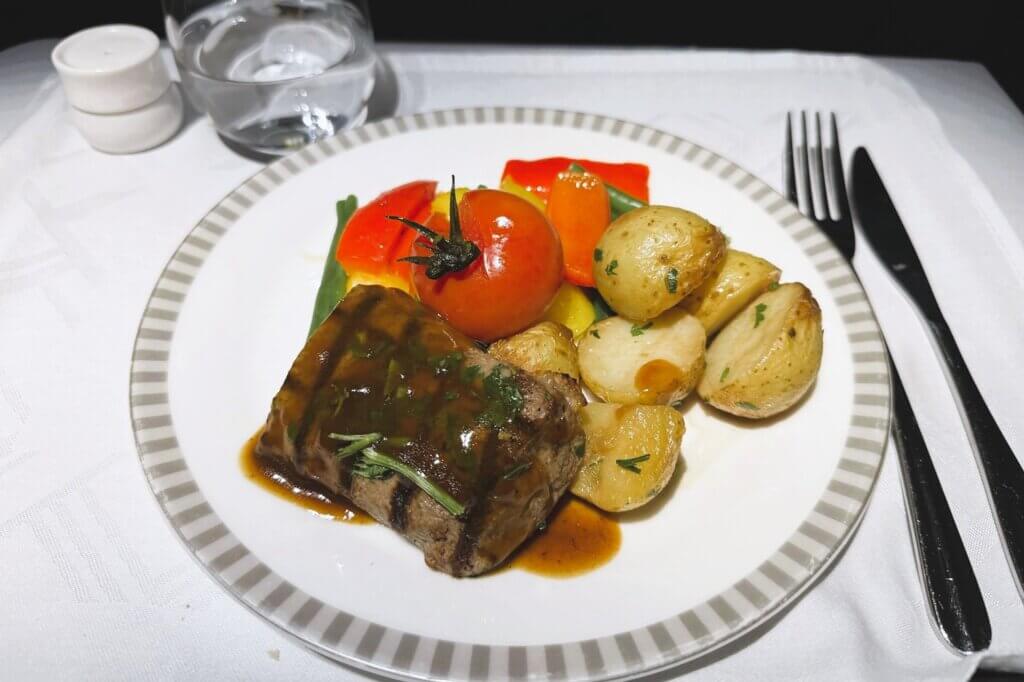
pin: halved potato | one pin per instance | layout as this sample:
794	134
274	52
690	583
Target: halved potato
767	357
630	456
737	279
544	347
649	259
655	362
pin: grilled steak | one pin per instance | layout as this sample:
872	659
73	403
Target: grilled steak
499	444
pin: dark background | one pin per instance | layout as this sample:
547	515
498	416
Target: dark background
979	31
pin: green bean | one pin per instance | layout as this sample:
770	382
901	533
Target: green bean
332	282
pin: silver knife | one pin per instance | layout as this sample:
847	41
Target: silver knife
1000	469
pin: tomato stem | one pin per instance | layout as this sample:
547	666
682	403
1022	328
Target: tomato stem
448	254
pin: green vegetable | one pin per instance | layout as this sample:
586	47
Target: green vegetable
725	373
672	280
373	462
759	313
516	471
638	329
596	334
773	286
631	463
619	201
333	280
356	442
601	308
598	255
610	270
504	401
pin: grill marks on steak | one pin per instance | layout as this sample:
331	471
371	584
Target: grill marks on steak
507	473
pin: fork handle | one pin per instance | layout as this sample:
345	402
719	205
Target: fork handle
958	609
1000	469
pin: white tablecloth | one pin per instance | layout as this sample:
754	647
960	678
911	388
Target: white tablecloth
95	586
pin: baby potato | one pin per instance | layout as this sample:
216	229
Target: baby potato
649	259
631	454
655	362
737	279
767	357
544	347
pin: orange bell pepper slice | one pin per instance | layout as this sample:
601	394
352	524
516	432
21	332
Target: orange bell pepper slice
579	210
372	244
539	175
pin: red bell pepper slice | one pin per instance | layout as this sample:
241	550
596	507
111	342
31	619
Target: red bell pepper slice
537	176
372	244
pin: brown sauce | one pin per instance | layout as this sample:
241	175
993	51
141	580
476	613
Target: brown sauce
658	377
578	538
280	480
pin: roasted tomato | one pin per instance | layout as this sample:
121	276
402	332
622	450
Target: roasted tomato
509	285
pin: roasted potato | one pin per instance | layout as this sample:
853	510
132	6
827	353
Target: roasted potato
655	362
767	357
630	455
649	259
736	280
544	347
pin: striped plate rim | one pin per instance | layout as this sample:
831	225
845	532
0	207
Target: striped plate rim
346	637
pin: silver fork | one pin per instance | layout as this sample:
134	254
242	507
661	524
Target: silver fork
814	171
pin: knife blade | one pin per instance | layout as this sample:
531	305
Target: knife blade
1000	469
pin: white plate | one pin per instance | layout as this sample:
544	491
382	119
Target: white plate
760	511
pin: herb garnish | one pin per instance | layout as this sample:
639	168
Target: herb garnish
373	461
504	401
759	313
356	442
773	286
725	373
631	463
516	471
638	329
446	363
470	373
744	404
595	333
672	280
598	255
448	254
374	464
610	270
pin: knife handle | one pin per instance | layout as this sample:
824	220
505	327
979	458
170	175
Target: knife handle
950	585
1000	468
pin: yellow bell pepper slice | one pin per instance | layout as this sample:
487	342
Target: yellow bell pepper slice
571	307
383	279
512	187
442	201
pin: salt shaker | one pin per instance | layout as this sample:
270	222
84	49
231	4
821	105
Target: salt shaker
122	98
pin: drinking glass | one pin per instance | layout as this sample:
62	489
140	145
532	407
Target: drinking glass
274	75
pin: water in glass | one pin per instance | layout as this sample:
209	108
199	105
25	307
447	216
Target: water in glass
275	75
